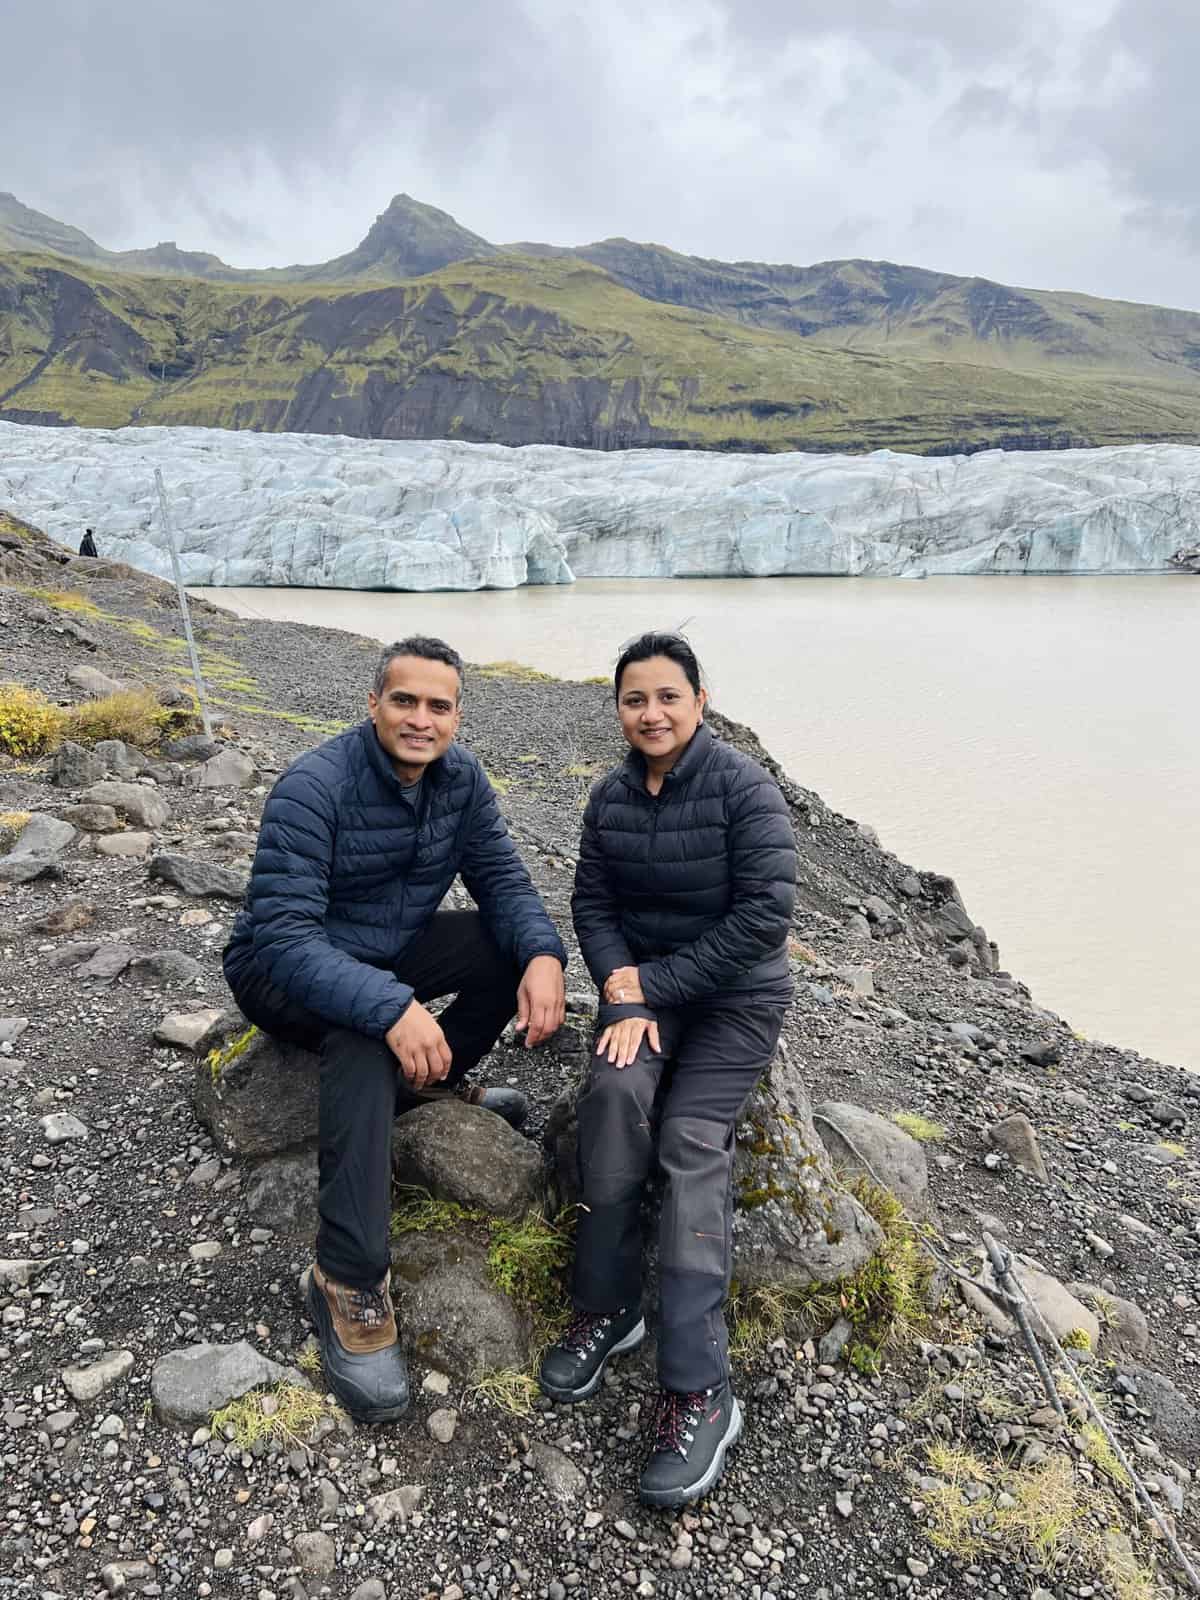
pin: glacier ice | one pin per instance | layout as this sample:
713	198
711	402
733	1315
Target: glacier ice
320	511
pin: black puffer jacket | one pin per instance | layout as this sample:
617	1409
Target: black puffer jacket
693	886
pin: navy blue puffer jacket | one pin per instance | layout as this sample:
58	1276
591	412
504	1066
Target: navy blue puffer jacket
693	886
347	875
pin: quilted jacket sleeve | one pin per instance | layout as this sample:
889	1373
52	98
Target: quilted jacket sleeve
289	891
762	858
595	910
500	886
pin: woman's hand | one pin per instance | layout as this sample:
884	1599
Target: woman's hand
622	1040
624	987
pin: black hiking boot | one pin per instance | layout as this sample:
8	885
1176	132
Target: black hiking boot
360	1348
691	1435
572	1369
510	1104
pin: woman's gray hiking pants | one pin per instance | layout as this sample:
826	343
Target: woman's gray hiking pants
712	1058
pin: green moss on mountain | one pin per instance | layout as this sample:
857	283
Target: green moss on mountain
518	350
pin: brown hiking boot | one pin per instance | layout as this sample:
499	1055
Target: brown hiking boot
363	1319
360	1348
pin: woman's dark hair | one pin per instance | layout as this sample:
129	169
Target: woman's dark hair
672	645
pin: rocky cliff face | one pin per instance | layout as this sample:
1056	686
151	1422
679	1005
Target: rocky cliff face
359	514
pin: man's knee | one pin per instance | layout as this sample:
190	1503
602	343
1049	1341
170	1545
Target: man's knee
353	1058
492	969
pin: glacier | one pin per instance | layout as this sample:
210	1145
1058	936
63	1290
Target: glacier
328	512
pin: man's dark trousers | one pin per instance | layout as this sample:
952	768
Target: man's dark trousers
712	1057
362	1088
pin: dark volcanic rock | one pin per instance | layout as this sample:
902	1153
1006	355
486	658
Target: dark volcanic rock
470	1156
261	1101
199	878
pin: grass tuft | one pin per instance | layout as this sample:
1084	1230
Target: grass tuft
508	1390
514	669
29	724
12	824
526	1260
221	1057
919	1127
884	1300
1102	1455
309	1361
66	600
133	715
286	1414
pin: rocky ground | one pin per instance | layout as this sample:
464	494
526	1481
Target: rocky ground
132	1240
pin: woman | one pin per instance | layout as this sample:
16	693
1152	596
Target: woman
682	905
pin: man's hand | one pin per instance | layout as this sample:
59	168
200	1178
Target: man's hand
419	1045
624	987
541	999
622	1040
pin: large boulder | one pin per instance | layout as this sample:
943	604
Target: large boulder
793	1224
257	1096
40	843
138	802
228	769
199	878
1054	1305
74	766
282	1194
451	1315
189	1384
1124	1330
862	1143
469	1156
95	684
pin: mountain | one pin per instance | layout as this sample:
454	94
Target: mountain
405	241
515	351
426	329
22	229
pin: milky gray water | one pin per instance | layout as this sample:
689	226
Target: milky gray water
1037	738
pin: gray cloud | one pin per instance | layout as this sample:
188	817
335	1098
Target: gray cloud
1052	146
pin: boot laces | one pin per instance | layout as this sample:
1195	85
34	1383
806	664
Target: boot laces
675	1415
369	1306
582	1329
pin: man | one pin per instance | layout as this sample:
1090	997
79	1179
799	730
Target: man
87	545
340	943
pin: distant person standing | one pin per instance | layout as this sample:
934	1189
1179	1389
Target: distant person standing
87	545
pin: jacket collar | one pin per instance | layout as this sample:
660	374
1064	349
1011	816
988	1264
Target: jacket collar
633	768
435	773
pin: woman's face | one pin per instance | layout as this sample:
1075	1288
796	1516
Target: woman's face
659	709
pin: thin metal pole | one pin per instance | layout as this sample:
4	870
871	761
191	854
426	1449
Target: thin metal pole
169	530
1002	1268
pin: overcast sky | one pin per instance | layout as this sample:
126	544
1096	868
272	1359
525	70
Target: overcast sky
1047	143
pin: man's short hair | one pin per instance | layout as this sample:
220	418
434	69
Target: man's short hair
428	649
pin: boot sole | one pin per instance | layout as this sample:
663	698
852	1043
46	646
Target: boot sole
318	1313
568	1397
665	1498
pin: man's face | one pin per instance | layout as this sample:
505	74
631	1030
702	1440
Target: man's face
417	715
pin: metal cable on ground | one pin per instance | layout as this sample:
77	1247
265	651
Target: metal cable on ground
1016	1300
